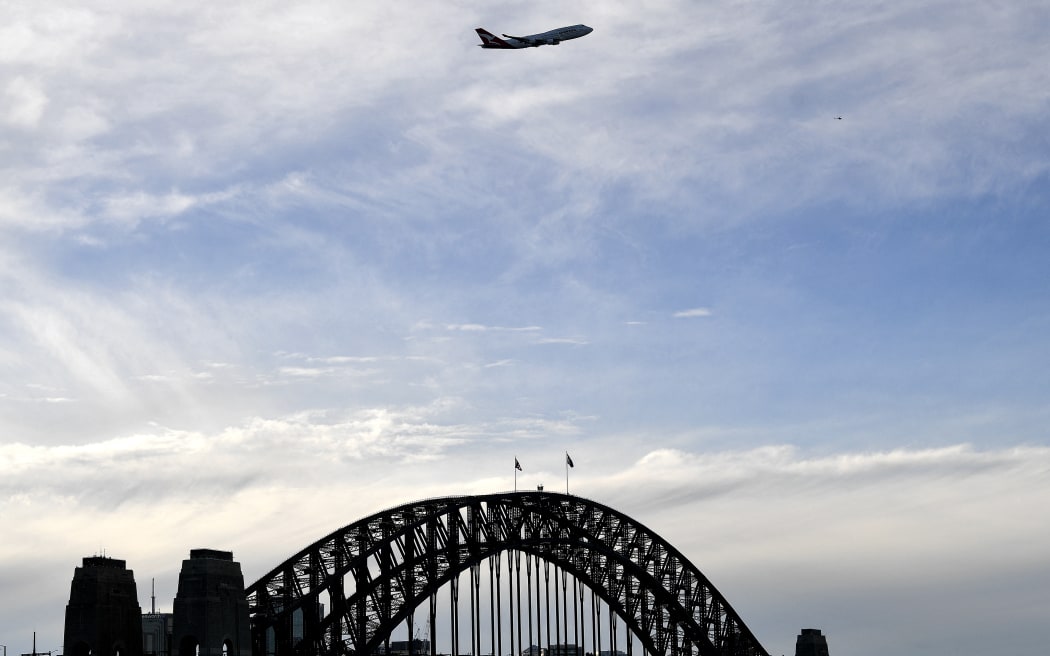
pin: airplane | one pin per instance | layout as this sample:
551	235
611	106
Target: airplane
551	38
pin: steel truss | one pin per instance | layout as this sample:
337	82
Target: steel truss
375	572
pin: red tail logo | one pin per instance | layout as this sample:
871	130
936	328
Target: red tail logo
490	40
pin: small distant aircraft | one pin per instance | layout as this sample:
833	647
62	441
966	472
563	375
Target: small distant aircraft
552	38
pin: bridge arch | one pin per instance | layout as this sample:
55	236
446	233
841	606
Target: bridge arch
373	574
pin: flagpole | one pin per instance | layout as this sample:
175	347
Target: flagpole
515	473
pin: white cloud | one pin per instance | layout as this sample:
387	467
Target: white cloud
691	313
139	205
500	363
347	359
26	210
304	371
81	123
25	102
481	328
563	340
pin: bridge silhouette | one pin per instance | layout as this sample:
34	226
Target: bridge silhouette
493	574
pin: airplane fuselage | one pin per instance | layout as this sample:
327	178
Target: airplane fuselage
550	38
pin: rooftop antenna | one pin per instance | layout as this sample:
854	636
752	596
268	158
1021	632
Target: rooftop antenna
35	652
153	596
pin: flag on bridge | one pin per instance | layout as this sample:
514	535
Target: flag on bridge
568	460
517	465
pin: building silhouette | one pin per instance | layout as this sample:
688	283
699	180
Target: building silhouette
811	643
103	617
211	610
210	617
157	629
416	646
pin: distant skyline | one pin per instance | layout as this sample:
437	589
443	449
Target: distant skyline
266	268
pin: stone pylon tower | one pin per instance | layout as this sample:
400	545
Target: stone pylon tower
811	643
103	617
211	609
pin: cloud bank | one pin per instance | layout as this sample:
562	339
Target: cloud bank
844	540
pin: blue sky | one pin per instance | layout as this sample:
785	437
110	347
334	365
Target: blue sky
266	268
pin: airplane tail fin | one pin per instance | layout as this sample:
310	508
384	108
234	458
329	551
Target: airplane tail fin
490	40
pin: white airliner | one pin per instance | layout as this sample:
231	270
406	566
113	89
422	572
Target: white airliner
552	38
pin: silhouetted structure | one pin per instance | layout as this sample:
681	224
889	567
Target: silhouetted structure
415	647
811	643
348	592
351	590
211	611
157	629
103	617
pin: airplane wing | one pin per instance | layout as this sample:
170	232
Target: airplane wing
531	40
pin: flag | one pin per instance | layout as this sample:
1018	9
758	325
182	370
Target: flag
517	465
568	460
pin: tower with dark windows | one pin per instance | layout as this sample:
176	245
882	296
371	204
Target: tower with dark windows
211	610
811	643
103	617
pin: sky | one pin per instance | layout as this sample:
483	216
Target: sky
269	267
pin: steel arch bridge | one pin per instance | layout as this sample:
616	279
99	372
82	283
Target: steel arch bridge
351	589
